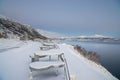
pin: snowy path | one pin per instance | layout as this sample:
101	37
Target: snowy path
14	65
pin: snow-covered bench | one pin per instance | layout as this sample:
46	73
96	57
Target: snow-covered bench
44	48
44	66
48	46
43	54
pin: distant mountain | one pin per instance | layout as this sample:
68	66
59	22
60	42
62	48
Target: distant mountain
95	38
50	34
13	29
99	37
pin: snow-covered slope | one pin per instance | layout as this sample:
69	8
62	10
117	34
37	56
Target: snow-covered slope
50	34
14	63
13	29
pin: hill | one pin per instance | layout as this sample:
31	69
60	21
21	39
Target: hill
13	29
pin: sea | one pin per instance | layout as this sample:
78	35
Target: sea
109	53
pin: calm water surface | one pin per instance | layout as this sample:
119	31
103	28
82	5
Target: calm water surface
109	54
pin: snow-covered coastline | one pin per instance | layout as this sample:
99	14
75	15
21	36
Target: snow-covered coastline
15	62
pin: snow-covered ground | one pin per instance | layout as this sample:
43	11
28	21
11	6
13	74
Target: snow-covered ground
6	44
14	63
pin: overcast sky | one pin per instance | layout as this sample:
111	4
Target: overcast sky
70	17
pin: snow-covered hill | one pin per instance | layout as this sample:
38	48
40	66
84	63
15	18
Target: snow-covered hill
13	29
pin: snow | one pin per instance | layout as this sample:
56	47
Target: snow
50	34
14	63
6	44
42	65
4	17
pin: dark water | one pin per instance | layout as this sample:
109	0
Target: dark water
109	54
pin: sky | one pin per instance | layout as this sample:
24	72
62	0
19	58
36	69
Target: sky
69	17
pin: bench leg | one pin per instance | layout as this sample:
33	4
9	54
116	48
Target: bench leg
49	57
31	77
56	72
72	77
58	57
